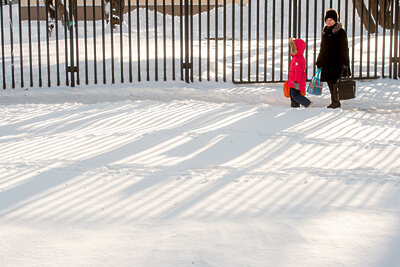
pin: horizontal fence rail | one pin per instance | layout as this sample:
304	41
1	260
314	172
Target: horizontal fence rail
73	42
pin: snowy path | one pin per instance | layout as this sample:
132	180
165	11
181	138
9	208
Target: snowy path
232	177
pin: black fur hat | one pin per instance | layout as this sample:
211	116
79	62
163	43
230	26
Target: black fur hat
332	14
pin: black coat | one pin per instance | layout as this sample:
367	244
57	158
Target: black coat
334	53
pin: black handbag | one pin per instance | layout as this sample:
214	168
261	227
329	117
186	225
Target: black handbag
345	88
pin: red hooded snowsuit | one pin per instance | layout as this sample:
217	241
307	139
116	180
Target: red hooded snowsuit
297	69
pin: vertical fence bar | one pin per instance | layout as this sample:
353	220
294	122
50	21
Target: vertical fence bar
376	38
121	40
369	38
86	42
299	16
181	35
155	40
307	26
346	12
66	19
265	39
103	42
315	36
282	34
383	40
57	46
147	42
249	43
361	39
391	39
191	40
111	19
138	39
294	6
164	42
241	40
130	40
200	72
397	27
224	74
339	7
21	64
322	13
94	41
233	39
258	41
353	40
75	10
38	43
208	40
273	38
294	19
187	74
30	45
71	39
396	58
216	40
12	45
173	40
2	44
47	46
290	34
331	3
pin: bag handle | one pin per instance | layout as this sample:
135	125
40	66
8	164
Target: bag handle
318	74
341	73
318	77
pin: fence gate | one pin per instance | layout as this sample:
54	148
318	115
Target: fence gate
69	42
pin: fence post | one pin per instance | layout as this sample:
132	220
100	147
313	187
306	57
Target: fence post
71	42
2	45
396	56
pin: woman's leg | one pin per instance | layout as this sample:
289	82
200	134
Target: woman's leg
335	103
298	98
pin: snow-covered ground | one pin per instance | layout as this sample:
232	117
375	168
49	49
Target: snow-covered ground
203	174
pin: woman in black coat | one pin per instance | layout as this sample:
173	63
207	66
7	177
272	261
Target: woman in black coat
333	56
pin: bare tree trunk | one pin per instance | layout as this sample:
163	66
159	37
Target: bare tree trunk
116	14
385	11
61	15
361	8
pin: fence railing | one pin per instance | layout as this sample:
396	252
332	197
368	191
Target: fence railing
107	41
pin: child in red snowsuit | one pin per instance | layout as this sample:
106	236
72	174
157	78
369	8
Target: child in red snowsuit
297	74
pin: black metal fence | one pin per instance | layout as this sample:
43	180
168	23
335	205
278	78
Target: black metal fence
243	41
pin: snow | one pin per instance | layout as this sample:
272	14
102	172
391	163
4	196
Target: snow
200	174
203	174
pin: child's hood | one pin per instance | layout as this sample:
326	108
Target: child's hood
300	46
